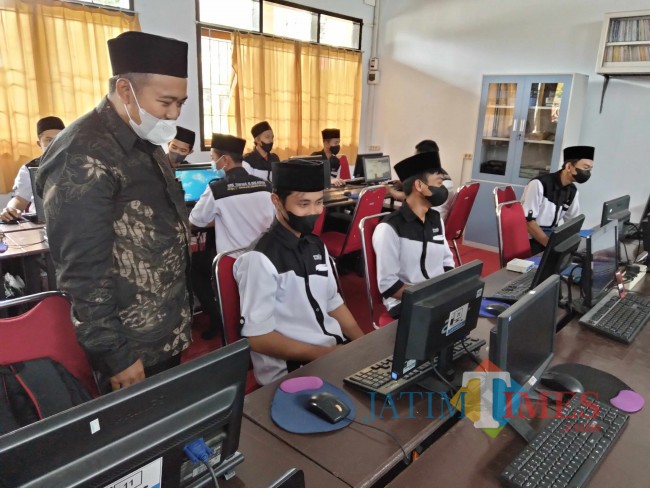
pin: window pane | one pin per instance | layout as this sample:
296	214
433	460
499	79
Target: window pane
339	32
290	22
238	14
216	62
124	4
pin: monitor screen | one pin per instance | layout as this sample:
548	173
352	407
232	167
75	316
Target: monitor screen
563	241
613	209
135	436
376	168
435	314
526	334
359	170
601	262
195	179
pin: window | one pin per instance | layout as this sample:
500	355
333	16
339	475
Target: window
218	18
121	4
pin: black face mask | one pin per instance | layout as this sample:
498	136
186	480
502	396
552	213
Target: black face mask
267	146
582	175
176	158
439	195
335	149
302	223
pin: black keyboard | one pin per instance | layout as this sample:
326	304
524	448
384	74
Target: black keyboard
620	319
516	288
568	450
377	377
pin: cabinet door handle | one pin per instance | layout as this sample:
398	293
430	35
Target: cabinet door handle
522	125
514	125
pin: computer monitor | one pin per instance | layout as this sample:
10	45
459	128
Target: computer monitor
326	167
195	179
600	263
359	170
525	334
38	201
646	210
617	209
435	314
562	243
135	436
376	168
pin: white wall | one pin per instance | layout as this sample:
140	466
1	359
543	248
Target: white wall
433	54
176	18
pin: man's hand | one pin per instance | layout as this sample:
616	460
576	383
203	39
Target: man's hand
130	376
337	182
10	213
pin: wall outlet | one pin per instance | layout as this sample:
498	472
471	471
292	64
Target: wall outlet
375	147
467	156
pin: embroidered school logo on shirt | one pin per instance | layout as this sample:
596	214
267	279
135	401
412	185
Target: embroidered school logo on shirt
321	267
318	257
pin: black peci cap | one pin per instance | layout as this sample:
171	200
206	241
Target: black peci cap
331	134
49	123
228	144
260	127
138	52
185	135
579	152
419	163
298	175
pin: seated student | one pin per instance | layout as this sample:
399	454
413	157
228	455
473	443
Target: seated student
291	310
410	243
181	146
550	199
240	209
258	161
395	190
46	130
331	147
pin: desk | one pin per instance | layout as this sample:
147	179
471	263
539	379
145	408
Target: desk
466	457
8	228
267	458
26	244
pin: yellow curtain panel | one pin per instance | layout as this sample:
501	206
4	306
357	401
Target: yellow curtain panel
53	61
300	88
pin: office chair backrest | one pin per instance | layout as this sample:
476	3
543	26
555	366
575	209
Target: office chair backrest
503	194
512	232
344	173
45	331
459	213
227	294
371	201
378	313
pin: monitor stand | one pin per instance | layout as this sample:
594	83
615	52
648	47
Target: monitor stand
446	370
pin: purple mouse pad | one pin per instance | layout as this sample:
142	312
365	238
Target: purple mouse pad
628	401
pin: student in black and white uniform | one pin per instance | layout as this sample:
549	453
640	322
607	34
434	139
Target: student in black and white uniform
291	310
181	146
331	147
410	243
553	198
258	161
239	208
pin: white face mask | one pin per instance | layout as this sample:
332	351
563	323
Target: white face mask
153	129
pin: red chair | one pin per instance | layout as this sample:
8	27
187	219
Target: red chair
458	215
344	173
45	331
228	296
378	313
503	194
371	201
512	232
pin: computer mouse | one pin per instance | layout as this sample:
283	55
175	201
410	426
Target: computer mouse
563	382
328	407
347	193
11	222
496	308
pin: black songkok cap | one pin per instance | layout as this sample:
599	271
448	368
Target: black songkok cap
138	52
427	145
49	123
298	175
417	164
228	144
579	152
185	135
260	127
331	134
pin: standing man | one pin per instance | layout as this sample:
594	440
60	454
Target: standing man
553	198
258	161
331	147
46	130
410	243
181	146
291	310
117	224
239	208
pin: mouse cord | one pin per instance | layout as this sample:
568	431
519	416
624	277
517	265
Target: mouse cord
471	355
406	457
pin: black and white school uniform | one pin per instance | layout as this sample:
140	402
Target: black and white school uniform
335	163
259	166
409	251
240	207
286	285
23	182
548	202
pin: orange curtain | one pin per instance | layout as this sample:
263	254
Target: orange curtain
300	88
53	61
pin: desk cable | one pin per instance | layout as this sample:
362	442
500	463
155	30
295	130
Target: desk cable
212	473
407	461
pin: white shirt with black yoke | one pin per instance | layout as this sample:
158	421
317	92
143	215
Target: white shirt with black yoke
409	251
240	207
286	285
548	202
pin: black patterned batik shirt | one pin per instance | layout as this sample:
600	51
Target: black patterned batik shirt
118	233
